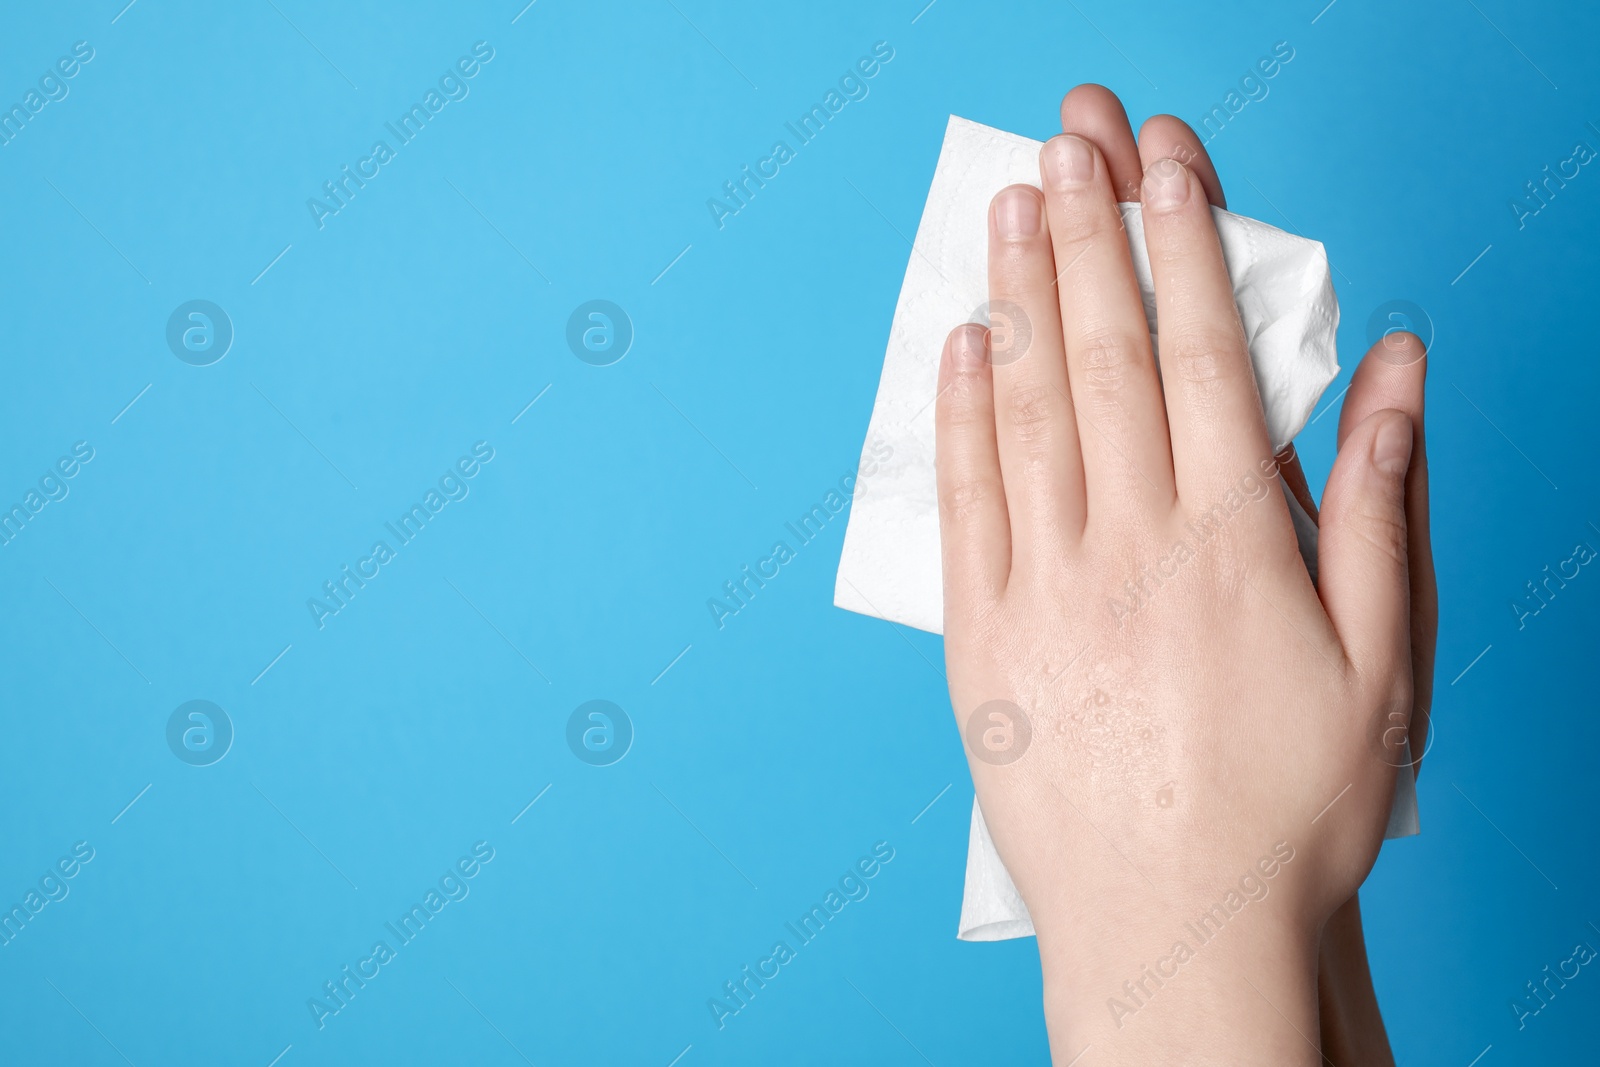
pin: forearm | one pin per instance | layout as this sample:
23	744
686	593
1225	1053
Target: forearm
1352	1026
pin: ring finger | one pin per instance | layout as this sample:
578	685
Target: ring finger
1035	428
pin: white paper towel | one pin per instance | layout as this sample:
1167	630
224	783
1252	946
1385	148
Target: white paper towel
890	565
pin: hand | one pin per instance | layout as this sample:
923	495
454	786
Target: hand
1391	377
1181	751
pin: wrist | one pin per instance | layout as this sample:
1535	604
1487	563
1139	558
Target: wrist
1139	987
1352	1025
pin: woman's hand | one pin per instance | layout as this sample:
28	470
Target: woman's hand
1185	752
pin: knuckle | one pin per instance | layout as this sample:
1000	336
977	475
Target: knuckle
963	499
1383	530
1106	360
1029	408
1205	357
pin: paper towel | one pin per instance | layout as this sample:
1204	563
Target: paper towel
890	566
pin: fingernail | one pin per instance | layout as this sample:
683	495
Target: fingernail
1068	160
1017	212
1391	451
967	346
1166	184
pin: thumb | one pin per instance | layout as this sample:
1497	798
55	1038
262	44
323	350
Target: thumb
1361	558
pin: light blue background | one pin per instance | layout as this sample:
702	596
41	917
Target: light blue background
776	751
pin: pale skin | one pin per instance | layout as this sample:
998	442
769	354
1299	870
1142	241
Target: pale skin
1242	713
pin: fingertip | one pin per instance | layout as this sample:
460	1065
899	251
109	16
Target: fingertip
965	357
1391	443
1399	348
1068	161
1094	113
1393	374
1163	135
1090	97
1167	136
1167	185
965	347
1017	213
